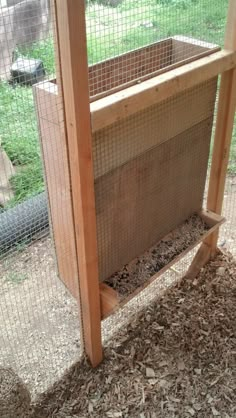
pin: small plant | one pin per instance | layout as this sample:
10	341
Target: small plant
15	277
28	182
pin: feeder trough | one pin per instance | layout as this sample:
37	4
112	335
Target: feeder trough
150	158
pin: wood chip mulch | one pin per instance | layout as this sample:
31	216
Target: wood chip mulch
135	274
176	359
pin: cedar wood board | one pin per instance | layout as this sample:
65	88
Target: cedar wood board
150	174
133	67
128	221
132	214
140	202
56	168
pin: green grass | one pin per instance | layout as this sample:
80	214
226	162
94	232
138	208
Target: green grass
44	50
15	277
111	31
20	140
197	18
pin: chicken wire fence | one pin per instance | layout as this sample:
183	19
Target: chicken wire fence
136	40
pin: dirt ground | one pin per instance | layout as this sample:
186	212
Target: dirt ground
40	335
177	358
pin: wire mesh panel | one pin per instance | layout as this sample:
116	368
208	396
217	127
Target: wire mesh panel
145	188
150	167
38	315
112	31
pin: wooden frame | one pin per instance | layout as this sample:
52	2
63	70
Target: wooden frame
70	16
80	122
110	299
222	142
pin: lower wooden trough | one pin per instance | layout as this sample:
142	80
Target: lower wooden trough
114	294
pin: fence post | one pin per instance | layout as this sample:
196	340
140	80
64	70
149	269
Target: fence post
73	78
224	129
221	148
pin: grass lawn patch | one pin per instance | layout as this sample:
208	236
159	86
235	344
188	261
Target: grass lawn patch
110	31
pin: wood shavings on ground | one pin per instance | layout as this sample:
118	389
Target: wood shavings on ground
176	359
135	274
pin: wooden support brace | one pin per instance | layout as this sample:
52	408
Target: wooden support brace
201	258
109	299
222	142
73	76
224	128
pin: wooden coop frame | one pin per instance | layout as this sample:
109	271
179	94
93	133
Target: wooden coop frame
77	118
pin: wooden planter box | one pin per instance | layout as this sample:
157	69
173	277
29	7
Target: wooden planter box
150	165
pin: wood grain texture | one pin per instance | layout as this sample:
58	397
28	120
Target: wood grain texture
224	129
111	109
117	149
70	18
184	48
118	72
141	201
133	67
54	151
117	144
109	299
192	272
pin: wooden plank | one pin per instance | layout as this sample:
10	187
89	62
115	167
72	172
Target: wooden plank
210	217
70	18
184	48
140	202
55	161
119	143
158	131
156	276
115	74
204	252
109	299
200	260
120	105
128	69
224	128
153	120
112	74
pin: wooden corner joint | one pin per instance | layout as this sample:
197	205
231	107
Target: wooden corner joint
201	258
108	298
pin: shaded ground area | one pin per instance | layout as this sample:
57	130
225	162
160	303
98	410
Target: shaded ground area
176	359
39	324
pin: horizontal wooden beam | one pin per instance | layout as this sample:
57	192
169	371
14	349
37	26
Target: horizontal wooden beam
108	110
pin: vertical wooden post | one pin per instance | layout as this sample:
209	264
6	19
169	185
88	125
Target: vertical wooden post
72	57
221	149
224	129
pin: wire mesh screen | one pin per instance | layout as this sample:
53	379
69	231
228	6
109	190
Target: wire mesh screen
142	23
138	197
37	314
150	169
